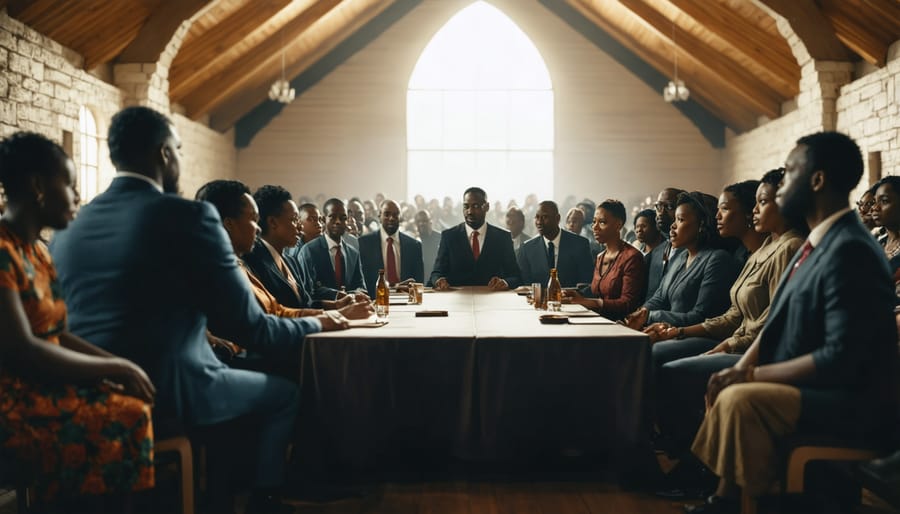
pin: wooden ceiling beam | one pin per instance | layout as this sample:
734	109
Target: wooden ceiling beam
262	60
812	27
769	52
766	100
197	56
158	30
855	33
707	89
227	114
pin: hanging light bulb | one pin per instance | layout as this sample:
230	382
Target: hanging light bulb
675	90
281	90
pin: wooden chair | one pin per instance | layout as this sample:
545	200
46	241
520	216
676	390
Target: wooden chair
800	453
182	447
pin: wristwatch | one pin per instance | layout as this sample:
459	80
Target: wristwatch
680	333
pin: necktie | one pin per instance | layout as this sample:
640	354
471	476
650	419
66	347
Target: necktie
392	276
807	249
476	250
338	267
286	273
551	255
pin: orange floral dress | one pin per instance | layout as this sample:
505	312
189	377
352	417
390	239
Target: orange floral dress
71	440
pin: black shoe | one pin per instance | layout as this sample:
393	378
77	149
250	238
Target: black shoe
267	504
715	505
687	480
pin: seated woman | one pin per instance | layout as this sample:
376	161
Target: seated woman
619	273
240	218
647	235
683	372
70	412
734	219
696	283
886	214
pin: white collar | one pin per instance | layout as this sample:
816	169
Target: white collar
817	234
130	174
555	240
469	230
331	243
384	236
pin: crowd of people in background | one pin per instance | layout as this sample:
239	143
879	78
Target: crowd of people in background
769	305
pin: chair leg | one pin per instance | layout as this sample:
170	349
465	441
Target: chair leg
187	481
23	506
748	504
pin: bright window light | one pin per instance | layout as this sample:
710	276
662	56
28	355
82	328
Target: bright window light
480	111
88	160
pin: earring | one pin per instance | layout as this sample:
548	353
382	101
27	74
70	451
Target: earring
40	199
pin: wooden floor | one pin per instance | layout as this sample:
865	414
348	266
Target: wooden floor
497	497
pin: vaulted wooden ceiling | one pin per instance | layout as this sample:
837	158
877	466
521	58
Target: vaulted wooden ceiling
729	52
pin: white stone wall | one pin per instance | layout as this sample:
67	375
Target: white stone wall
43	86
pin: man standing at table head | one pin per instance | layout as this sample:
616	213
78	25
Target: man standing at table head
475	253
399	255
554	248
330	263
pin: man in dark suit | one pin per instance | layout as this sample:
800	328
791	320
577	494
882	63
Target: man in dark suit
330	262
399	255
515	223
430	239
475	253
278	220
310	228
145	273
657	261
569	253
823	364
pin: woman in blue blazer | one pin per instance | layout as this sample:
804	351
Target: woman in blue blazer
696	285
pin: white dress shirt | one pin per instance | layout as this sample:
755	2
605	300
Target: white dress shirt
156	185
481	231
384	245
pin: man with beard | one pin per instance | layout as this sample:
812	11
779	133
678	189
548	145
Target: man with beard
823	364
144	273
333	266
656	262
399	255
554	248
475	253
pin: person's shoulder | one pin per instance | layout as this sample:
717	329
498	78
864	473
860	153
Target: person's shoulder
532	242
497	230
409	239
565	235
369	238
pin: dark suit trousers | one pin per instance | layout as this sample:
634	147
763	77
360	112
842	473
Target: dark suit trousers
680	393
275	402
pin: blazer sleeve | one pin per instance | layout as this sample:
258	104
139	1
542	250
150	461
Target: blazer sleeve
586	263
632	270
510	271
213	263
442	261
712	297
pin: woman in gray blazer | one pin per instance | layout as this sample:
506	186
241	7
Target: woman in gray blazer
696	284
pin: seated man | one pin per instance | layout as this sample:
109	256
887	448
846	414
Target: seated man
657	261
278	220
399	255
430	239
333	266
554	248
823	362
515	223
475	253
145	273
310	228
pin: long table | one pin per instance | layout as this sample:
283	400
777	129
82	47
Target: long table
488	382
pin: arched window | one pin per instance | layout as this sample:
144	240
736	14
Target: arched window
480	111
88	155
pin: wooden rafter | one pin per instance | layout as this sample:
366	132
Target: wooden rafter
199	55
768	51
156	33
812	27
751	88
708	89
320	40
264	60
859	30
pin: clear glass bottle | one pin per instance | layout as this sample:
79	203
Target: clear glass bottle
382	296
554	293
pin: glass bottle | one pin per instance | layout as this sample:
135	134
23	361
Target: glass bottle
382	296
554	293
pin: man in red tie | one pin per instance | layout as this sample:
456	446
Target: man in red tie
330	263
399	255
823	364
475	253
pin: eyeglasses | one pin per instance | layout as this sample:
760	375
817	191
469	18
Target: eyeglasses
664	206
866	205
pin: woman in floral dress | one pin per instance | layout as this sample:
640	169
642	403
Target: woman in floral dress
76	418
